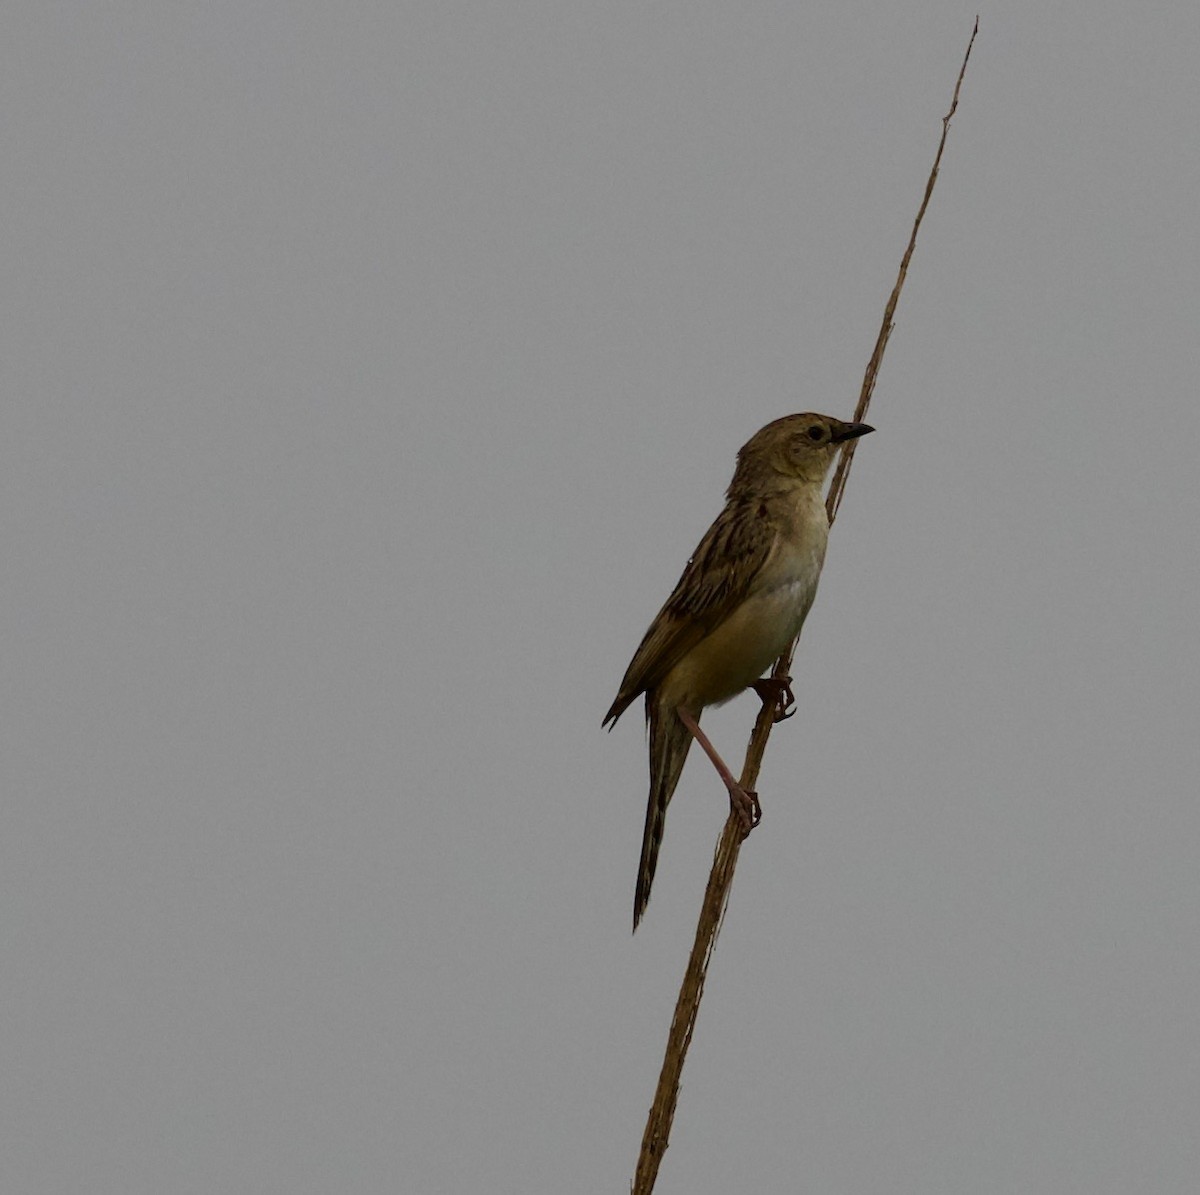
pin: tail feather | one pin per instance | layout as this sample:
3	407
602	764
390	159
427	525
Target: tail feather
669	743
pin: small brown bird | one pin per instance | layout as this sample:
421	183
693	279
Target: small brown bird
742	599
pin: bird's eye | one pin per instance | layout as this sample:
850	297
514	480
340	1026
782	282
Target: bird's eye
816	433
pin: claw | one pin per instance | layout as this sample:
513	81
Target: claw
742	803
777	691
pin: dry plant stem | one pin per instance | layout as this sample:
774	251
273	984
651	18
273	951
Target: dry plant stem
834	499
656	1138
687	1006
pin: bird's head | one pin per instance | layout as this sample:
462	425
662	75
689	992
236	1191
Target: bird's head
797	447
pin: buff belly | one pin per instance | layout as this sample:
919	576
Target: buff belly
742	648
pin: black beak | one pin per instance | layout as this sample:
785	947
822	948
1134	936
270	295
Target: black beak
851	431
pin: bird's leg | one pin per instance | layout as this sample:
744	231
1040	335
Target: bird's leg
777	691
743	803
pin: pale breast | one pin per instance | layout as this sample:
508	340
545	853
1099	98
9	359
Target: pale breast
759	631
747	643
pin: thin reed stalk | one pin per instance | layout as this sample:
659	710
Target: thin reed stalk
656	1137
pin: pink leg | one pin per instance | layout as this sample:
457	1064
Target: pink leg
744	804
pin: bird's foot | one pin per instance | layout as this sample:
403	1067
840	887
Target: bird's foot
744	805
777	691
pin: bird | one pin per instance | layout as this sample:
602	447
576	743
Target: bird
741	601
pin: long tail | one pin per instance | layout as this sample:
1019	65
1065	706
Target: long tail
669	743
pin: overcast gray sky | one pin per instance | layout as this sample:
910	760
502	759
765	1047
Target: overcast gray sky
369	373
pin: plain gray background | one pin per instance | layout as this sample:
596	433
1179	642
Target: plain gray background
369	373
